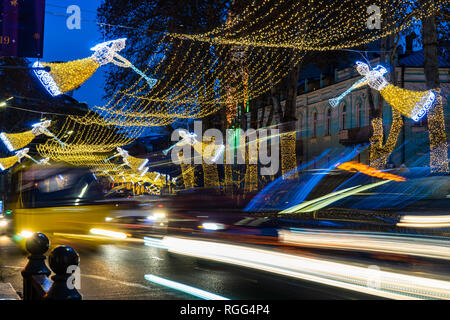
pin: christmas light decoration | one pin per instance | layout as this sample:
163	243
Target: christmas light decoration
106	52
413	104
130	161
210	175
218	153
186	138
198	69
187	171
15	141
251	172
132	111
67	76
438	138
120	152
209	151
6	163
379	152
44	161
251	178
210	171
136	163
288	154
288	24
375	78
46	79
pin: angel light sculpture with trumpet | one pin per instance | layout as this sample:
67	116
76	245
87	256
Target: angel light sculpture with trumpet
6	163
15	141
130	161
67	76
210	151
412	104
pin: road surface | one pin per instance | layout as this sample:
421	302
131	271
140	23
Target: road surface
117	272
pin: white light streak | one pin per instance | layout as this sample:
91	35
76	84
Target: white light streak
184	288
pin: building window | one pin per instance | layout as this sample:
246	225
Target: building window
359	115
328	122
299	128
314	126
343	115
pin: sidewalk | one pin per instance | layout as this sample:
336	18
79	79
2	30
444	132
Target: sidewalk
7	292
12	261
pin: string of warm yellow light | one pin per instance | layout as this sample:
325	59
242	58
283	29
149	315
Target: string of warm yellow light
438	137
198	69
288	153
289	24
187	172
379	152
407	102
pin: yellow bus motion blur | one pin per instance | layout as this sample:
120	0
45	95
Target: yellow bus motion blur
66	204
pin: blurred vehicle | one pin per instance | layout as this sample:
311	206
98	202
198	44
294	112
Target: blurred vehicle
412	201
148	216
4	224
210	213
403	201
65	203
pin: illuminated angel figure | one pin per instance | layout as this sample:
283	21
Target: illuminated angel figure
120	152
44	161
6	163
412	104
67	76
15	141
209	151
130	161
186	138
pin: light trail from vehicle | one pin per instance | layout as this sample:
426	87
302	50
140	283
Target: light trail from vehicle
359	167
337	274
420	246
435	221
183	288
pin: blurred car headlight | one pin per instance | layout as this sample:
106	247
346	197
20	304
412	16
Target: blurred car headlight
212	226
108	219
3	223
156	215
25	234
108	233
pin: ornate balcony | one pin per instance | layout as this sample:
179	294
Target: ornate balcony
354	136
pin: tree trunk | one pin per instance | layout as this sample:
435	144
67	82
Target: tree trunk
254	105
291	97
275	99
436	119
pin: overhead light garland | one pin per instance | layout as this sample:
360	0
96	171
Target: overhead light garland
196	70
316	26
